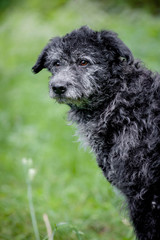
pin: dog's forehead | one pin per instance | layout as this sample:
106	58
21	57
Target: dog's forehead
72	47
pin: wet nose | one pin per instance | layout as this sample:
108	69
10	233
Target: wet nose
58	89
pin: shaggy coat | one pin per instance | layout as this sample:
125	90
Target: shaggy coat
115	102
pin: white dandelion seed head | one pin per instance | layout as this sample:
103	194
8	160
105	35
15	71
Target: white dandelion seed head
27	161
31	173
24	161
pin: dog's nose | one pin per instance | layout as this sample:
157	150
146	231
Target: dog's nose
58	89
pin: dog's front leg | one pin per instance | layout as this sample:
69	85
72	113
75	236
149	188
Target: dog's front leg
145	215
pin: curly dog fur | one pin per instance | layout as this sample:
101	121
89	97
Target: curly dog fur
115	102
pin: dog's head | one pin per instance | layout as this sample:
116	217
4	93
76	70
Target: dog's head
80	63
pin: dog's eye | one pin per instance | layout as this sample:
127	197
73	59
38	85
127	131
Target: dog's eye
83	63
57	64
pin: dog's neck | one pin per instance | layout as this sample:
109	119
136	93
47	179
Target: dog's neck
86	113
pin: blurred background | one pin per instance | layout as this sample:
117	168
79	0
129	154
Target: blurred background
68	186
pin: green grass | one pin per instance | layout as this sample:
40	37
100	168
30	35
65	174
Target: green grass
68	186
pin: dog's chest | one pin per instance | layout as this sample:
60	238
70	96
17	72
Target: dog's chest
88	136
112	154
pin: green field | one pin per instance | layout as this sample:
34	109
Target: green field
68	186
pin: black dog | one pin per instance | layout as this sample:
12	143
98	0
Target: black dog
115	102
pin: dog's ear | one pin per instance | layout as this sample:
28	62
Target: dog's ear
42	59
40	64
116	46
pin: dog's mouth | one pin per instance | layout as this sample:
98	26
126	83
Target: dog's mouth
67	100
76	101
60	99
